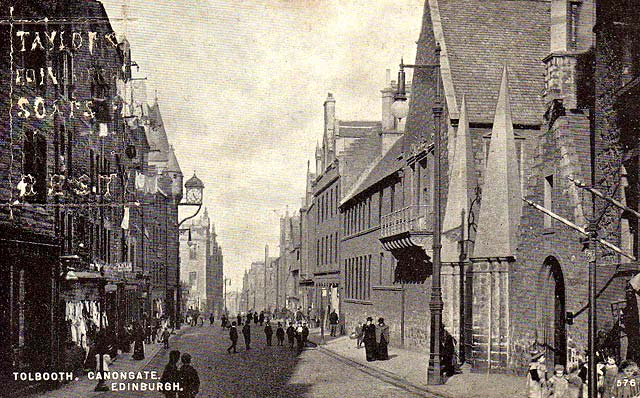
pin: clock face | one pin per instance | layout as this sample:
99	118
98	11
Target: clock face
194	196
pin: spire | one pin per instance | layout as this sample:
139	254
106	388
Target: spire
462	182
501	207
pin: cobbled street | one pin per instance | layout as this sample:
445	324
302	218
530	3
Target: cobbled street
265	371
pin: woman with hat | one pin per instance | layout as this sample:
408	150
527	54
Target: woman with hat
370	345
536	377
382	339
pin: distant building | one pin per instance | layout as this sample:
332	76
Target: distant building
201	265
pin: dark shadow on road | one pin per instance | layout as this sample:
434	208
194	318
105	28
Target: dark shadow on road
263	371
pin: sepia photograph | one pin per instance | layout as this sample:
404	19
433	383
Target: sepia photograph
320	198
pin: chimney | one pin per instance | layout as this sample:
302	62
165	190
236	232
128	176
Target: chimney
388	121
330	128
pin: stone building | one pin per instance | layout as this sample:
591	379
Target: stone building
201	264
74	234
517	110
215	277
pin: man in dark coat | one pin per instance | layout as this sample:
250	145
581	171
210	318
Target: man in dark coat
249	317
212	319
291	335
255	318
189	379
369	338
268	332
280	334
223	321
171	374
305	334
246	333
261	318
239	319
333	322
233	335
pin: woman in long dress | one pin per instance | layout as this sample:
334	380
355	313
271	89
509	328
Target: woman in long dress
369	338
138	344
382	339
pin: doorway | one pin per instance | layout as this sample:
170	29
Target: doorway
552	326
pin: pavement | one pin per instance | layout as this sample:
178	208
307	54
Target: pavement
82	386
408	369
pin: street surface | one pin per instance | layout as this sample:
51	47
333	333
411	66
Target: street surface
265	371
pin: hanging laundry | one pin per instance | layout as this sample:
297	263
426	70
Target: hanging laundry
125	219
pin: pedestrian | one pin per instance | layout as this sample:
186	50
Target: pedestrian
536	378
212	319
268	332
558	383
369	339
610	372
233	336
382	339
138	342
261	318
359	335
171	374
223	320
165	337
305	334
574	388
627	383
291	334
299	337
189	379
333	322
448	350
256	318
246	333
280	334
249	317
239	319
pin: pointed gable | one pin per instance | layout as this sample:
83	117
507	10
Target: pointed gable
462	182
501	207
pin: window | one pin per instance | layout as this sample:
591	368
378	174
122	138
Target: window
35	166
193	278
392	198
548	199
193	253
574	20
380	198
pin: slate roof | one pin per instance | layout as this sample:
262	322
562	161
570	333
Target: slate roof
379	169
157	136
480	37
357	129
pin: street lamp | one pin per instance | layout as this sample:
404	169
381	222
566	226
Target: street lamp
193	197
400	109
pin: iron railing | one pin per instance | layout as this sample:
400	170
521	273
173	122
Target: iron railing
412	218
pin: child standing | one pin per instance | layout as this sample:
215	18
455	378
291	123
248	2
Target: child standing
558	383
627	384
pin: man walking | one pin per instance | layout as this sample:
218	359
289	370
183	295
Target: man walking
261	318
333	322
268	332
305	334
280	334
246	333
291	334
189	380
233	335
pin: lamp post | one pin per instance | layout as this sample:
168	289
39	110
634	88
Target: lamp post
194	187
225	294
400	110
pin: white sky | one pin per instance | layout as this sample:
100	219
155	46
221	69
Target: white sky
241	86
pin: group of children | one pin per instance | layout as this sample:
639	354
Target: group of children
613	381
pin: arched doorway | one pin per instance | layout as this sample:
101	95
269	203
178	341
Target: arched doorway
552	327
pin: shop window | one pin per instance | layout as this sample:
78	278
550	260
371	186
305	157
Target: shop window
35	166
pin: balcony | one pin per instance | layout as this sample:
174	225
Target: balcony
414	218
